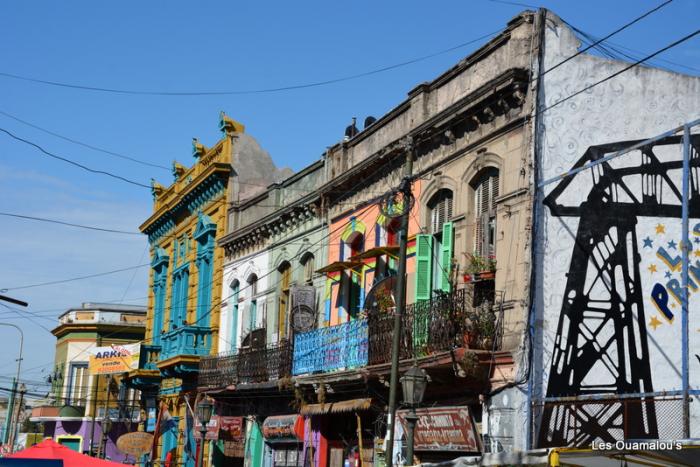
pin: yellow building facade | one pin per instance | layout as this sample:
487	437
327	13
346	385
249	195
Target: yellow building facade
188	218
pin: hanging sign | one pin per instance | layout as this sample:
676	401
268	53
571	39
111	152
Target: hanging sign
114	359
443	429
223	428
137	443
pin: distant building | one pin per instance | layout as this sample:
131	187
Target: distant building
81	401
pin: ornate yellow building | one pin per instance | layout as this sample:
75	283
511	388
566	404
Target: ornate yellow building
185	289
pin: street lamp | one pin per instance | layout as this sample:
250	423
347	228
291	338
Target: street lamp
413	384
204	410
106	428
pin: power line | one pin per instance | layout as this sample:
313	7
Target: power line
63	281
609	77
250	91
621	28
54	221
81	143
61	158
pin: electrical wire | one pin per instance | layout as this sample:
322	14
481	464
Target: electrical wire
620	29
629	67
250	91
63	281
83	144
69	161
54	221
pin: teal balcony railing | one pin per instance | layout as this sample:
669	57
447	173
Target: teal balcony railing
331	348
149	356
186	340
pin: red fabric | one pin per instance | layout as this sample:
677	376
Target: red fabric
50	449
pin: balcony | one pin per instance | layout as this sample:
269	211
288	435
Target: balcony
331	348
431	326
186	340
247	366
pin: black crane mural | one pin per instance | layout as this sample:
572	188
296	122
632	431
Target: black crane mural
601	343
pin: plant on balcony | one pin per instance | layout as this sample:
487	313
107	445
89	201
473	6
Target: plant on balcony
480	328
479	267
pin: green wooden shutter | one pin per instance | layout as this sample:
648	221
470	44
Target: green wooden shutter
446	256
424	266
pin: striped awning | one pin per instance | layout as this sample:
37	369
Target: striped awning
351	405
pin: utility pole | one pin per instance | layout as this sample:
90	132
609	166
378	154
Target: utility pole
401	296
15	382
94	402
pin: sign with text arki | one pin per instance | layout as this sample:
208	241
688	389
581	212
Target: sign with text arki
443	429
114	359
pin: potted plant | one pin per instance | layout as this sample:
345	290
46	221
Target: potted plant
489	271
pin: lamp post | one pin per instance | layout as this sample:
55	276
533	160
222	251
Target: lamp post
204	410
15	385
413	384
106	428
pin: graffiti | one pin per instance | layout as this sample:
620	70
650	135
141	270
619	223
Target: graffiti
601	345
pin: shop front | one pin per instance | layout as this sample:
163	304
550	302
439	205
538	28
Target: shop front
225	437
443	433
284	441
339	434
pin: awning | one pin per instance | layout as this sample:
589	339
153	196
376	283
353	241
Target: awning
339	266
392	250
337	407
283	428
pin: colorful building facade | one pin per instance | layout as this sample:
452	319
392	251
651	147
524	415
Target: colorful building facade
81	400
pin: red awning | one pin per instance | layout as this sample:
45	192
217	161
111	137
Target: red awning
50	449
284	427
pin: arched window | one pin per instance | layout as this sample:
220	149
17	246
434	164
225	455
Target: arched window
440	206
485	193
285	284
354	245
234	290
253	309
307	262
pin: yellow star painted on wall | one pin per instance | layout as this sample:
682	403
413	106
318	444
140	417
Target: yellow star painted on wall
652	268
697	253
660	228
673	305
654	322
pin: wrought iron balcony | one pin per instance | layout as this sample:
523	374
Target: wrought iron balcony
331	348
429	326
246	366
186	340
149	356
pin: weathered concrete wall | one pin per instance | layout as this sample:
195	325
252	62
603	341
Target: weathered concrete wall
606	270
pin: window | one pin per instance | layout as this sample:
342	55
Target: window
440	206
308	263
160	278
204	235
285	281
253	310
485	194
434	250
353	280
78	384
233	302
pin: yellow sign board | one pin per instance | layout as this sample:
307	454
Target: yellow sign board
114	359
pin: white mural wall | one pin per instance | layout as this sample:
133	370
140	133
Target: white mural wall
608	313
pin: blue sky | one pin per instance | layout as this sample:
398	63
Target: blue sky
206	46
